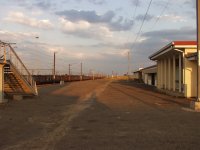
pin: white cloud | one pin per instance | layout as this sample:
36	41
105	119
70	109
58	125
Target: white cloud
21	18
85	29
16	36
124	52
173	18
69	26
64	52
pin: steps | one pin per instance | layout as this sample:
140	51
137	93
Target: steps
13	84
17	79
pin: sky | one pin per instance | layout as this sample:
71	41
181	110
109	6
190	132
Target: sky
98	33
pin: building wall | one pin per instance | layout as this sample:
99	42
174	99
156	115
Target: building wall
190	78
136	75
168	78
156	79
147	78
190	75
158	85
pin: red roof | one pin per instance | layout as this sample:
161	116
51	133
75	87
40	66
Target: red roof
184	43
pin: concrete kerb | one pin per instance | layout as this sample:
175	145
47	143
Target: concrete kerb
195	105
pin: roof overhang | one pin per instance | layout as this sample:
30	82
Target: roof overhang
150	69
173	48
192	56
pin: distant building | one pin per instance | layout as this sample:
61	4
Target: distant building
147	75
177	68
137	75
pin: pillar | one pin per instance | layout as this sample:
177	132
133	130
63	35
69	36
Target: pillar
165	74
174	73
161	73
1	83
158	74
180	72
169	74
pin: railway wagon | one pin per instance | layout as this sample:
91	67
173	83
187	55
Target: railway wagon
49	79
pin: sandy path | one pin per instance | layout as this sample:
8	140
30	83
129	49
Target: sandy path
84	99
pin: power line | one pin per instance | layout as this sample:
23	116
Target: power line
163	10
138	34
134	14
136	6
159	17
133	18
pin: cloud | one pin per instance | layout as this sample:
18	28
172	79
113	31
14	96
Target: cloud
151	42
136	2
192	3
115	53
173	18
43	4
21	18
90	16
97	2
84	29
108	19
154	41
141	17
69	26
8	36
35	4
166	17
185	33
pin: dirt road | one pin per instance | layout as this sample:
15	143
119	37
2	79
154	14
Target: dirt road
99	115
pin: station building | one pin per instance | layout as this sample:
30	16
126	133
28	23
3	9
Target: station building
147	75
177	68
137	75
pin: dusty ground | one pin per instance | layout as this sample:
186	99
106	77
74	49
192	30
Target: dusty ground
99	115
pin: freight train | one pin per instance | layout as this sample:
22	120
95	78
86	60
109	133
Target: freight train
49	79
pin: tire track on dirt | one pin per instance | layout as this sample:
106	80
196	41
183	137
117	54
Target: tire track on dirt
49	140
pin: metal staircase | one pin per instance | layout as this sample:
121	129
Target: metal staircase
17	79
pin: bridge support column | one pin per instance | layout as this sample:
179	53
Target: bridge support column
2	100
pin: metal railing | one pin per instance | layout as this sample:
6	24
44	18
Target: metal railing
11	57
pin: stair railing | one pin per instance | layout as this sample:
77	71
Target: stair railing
11	56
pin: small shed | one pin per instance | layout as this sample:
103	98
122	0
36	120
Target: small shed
149	75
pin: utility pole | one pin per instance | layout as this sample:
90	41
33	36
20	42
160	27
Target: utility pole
129	65
196	104
81	77
93	78
69	72
198	49
54	66
112	74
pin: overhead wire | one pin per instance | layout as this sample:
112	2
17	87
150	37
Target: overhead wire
155	23
163	10
140	29
159	16
133	18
